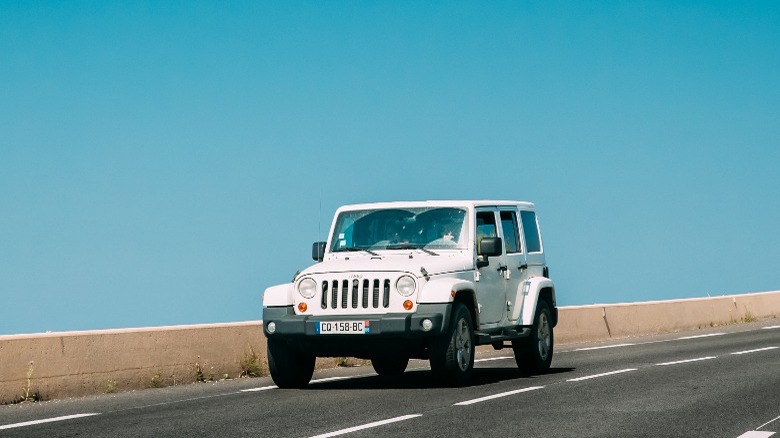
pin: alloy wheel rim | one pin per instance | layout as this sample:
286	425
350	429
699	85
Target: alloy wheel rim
543	336
463	345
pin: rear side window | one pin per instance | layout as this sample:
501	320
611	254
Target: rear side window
531	231
509	227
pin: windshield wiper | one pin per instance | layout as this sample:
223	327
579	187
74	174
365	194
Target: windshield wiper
356	249
411	246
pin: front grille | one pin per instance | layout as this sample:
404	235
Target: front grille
340	294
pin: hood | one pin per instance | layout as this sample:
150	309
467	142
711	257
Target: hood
393	262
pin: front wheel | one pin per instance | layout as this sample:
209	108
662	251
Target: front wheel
290	368
534	353
452	356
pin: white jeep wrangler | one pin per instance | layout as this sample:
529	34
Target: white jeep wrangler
427	280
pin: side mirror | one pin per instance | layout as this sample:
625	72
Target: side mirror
318	251
489	247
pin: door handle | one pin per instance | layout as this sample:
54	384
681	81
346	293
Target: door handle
523	266
503	270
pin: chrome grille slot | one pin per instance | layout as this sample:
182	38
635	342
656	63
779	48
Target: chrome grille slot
365	294
386	297
324	294
334	294
376	294
355	292
344	293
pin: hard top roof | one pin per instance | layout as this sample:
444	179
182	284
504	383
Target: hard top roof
438	203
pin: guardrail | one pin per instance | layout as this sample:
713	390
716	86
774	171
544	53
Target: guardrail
55	365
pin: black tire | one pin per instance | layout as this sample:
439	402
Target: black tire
452	355
289	368
534	354
389	365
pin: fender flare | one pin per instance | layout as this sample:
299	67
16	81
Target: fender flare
529	293
441	290
278	296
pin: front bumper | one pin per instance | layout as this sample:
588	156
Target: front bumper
289	326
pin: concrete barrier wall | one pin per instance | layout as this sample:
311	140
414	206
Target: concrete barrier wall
56	365
609	321
80	363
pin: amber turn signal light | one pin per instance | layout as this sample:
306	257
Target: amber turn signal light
408	304
302	307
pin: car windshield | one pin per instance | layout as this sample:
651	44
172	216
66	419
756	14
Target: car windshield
400	228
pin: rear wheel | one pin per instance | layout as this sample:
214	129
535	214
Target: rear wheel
389	365
452	356
534	353
290	368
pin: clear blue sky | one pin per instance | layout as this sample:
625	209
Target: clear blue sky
163	163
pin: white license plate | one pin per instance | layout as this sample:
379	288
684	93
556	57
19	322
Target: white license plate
342	327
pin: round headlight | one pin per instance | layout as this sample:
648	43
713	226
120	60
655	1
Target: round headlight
405	285
307	288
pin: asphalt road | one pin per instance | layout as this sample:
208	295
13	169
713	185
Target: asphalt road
721	382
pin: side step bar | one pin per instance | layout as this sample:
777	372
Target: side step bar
497	339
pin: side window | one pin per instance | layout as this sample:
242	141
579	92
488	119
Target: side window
531	231
486	225
509	227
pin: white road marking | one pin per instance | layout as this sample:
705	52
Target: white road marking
755	351
698	359
262	388
760	434
503	394
602	375
368	426
327	379
756	434
173	402
701	336
493	358
768	422
667	340
47	420
333	379
603	346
